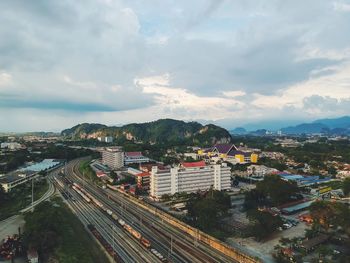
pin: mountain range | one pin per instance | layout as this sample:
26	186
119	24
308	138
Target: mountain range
335	126
160	131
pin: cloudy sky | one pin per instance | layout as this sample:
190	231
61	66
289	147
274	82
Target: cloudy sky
229	62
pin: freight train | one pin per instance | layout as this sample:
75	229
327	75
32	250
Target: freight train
102	240
137	235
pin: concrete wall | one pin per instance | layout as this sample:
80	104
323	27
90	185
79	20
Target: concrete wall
196	233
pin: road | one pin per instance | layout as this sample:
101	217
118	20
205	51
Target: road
172	243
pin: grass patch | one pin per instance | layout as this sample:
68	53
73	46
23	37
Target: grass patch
21	197
60	235
87	172
333	184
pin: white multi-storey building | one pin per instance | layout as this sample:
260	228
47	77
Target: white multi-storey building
113	157
190	177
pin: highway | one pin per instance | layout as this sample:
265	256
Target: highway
173	243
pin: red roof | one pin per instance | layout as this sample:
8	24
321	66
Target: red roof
193	164
143	174
133	154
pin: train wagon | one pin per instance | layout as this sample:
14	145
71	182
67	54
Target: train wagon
102	240
87	199
145	242
132	231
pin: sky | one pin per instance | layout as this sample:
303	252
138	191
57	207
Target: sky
229	62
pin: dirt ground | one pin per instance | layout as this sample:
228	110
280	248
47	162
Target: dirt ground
265	249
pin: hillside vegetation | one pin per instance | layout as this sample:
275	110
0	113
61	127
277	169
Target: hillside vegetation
157	132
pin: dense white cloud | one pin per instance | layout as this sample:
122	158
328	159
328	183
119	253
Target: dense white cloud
233	62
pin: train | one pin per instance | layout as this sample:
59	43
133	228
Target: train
59	182
86	198
90	199
102	240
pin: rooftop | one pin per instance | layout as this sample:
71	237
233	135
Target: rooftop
133	154
224	148
193	164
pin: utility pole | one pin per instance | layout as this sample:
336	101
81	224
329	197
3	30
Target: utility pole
32	193
113	235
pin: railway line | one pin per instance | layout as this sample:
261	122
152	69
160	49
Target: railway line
128	232
171	242
121	247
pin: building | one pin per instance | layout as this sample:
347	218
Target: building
229	153
113	157
11	180
134	157
107	139
189	177
260	170
143	180
11	145
23	175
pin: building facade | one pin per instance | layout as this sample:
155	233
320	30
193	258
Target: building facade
135	157
113	157
189	178
229	153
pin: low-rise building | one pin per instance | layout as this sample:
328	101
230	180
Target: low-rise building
107	139
260	170
143	180
11	146
229	153
13	179
23	175
134	157
189	177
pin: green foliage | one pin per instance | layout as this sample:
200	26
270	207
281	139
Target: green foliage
162	132
86	171
325	214
279	165
206	210
278	190
127	180
14	159
55	232
264	223
254	199
346	186
20	197
2	195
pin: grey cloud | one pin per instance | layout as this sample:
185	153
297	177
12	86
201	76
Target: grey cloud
327	104
90	41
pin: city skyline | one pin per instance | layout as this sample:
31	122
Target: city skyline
227	62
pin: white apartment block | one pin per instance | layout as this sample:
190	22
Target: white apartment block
188	180
113	158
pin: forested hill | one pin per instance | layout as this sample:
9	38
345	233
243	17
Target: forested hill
160	131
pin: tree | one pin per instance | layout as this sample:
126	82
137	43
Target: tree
278	190
264	223
254	199
2	194
206	210
322	214
346	186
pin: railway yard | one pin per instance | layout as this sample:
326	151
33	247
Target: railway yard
128	232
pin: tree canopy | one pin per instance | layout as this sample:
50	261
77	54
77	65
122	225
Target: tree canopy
205	210
346	186
277	190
